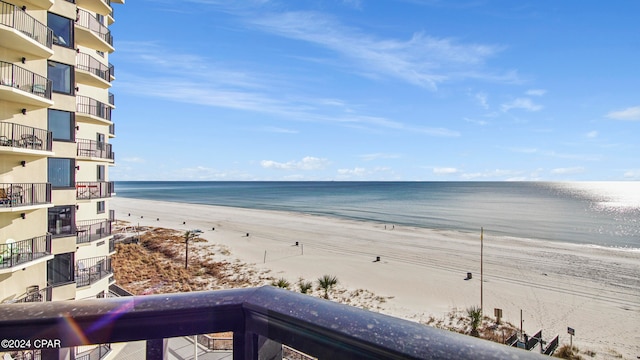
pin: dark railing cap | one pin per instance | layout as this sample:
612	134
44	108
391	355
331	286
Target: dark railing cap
314	326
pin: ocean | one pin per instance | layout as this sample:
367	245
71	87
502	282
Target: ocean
603	214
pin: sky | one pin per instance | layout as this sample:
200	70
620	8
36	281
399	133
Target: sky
376	90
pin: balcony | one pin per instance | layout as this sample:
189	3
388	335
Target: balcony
24	140
35	294
92	149
92	72
92	110
14	255
93	230
21	32
97	6
94	190
112	130
90	271
24	196
35	4
24	87
260	318
91	33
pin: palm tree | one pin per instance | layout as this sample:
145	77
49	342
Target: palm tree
305	286
326	283
281	283
475	317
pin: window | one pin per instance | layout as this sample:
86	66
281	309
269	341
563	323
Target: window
101	207
100	138
62	29
61	76
100	176
61	124
61	172
60	269
61	220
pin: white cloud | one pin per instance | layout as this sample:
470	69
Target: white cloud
592	134
376	156
629	114
521	103
493	174
357	171
568	170
482	100
307	163
477	122
632	174
134	159
536	92
421	60
445	171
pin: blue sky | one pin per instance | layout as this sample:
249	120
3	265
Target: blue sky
413	90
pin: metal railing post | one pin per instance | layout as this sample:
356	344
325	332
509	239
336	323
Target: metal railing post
155	349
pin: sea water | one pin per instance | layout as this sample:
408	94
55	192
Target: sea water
589	213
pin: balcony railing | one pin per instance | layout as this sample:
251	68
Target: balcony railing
96	354
90	64
112	71
112	99
24	194
94	190
35	294
25	80
93	230
25	137
92	270
16	18
95	149
260	319
89	106
24	251
86	20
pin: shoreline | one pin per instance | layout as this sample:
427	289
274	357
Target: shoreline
422	271
462	232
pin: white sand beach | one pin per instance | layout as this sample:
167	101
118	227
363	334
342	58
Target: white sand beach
594	290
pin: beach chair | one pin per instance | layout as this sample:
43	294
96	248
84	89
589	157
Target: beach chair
31	141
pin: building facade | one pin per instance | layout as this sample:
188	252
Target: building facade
55	151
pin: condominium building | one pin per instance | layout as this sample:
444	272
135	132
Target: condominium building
55	151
